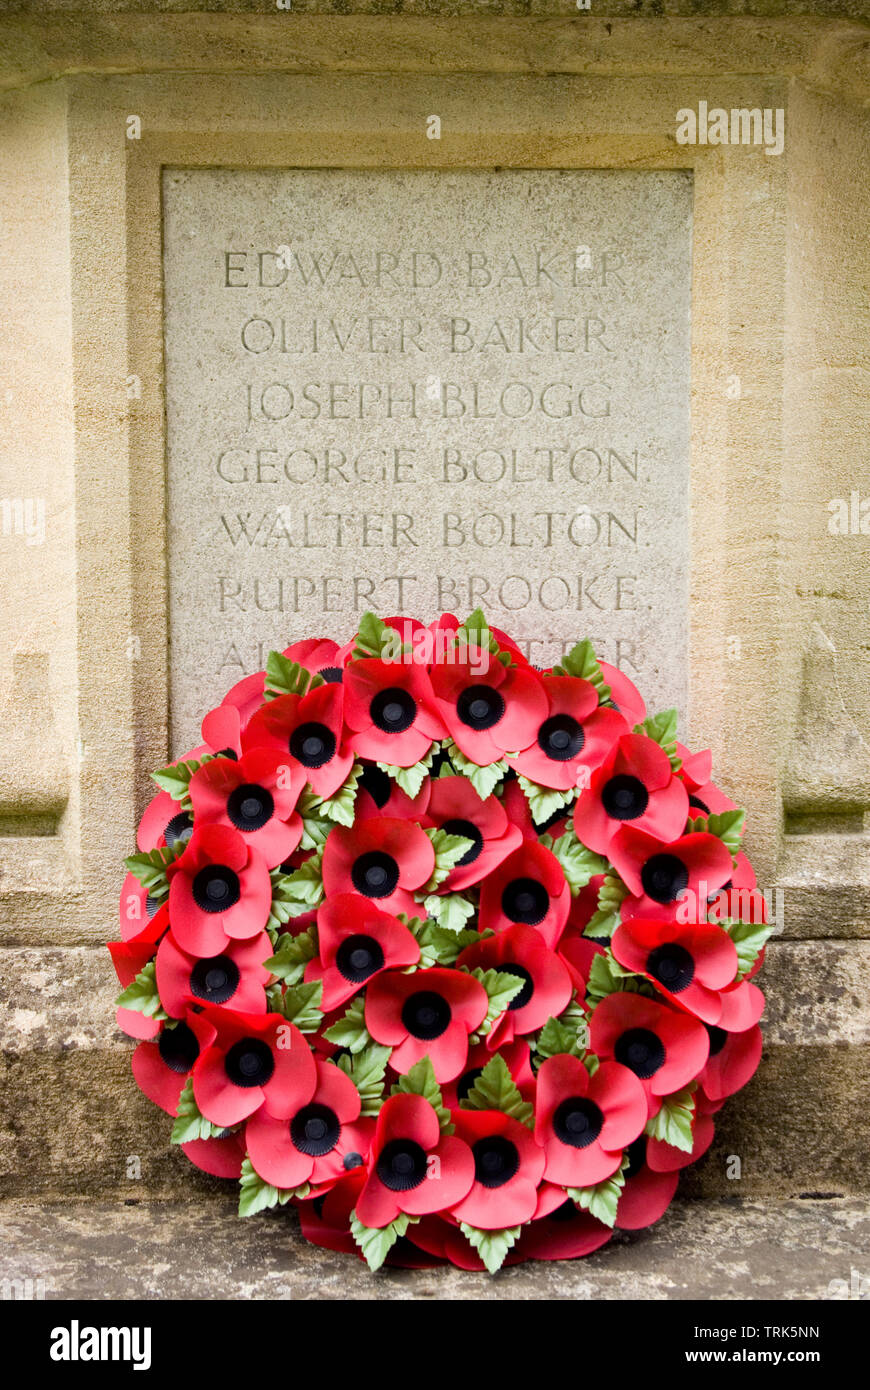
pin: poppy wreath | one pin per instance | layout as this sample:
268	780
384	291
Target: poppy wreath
453	954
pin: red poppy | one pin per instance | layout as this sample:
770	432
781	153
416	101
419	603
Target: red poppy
390	709
163	823
624	694
647	1194
664	1158
255	795
547	985
489	709
560	1231
235	978
384	859
529	888
454	806
356	941
378	795
508	1165
219	888
733	1060
739	897
129	958
310	729
665	1048
318	1142
412	1166
517	1057
691	965
705	798
664	878
321	656
428	1013
635	784
221	1155
161	1068
574	733
254	1060
583	1123
325	1219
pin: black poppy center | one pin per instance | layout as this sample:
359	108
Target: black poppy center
479	706
672	966
216	888
152	906
577	1122
566	1212
401	1165
624	797
698	805
377	784
471	832
312	744
331	674
179	830
425	1014
250	806
636	1156
249	1062
375	874
561	738
496	1160
466	1081
215	980
718	1038
664	877
358	957
393	710
315	1130
353	1160
178	1047
523	996
525	900
641	1051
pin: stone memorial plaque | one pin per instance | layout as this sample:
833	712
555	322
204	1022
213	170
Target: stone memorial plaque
426	391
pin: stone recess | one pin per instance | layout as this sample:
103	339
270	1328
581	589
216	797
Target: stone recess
778	293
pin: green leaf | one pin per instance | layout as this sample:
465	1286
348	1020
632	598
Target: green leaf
175	779
420	1081
543	801
376	1242
293	954
501	987
314	832
375	638
728	826
302	1006
449	849
581	661
579	864
495	1089
673	1123
350	1030
367	1070
606	976
340	807
256	1194
749	938
559	1035
150	867
191	1123
298	892
603	923
285	677
491	1246
142	994
601	1200
410	779
439	945
662	729
451	910
475	632
483	779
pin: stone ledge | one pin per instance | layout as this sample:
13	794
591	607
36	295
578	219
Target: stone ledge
722	1250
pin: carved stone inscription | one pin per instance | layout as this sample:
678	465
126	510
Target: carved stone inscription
416	391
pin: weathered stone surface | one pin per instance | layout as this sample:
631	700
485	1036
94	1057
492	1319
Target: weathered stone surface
415	391
707	1250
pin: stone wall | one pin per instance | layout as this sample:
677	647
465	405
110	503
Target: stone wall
779	300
